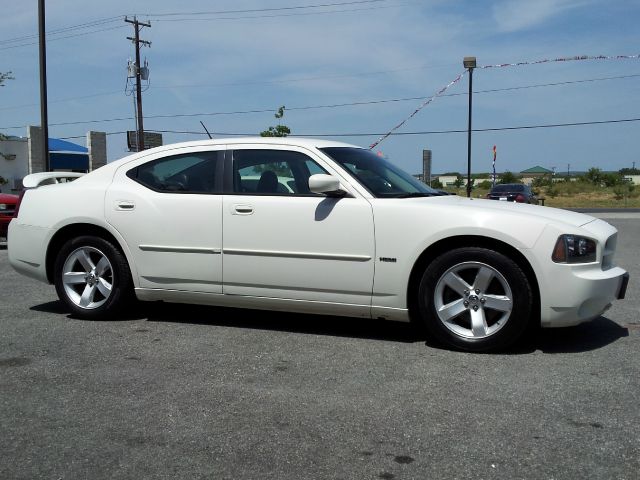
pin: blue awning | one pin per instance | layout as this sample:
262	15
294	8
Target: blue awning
57	145
65	155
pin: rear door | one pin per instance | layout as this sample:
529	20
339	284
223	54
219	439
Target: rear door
169	211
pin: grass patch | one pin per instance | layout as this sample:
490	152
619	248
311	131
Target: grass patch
575	195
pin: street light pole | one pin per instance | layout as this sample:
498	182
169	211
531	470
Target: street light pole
44	116
469	63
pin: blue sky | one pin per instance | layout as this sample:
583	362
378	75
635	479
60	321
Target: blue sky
246	58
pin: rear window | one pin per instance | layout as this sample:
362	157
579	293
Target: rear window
508	187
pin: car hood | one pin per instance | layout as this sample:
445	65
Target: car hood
543	213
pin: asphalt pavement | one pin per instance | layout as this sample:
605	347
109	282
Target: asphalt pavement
177	391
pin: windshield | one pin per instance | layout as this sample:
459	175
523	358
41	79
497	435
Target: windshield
381	178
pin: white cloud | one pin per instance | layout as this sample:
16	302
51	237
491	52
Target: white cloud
514	15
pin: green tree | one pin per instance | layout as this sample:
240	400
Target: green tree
509	177
459	181
278	130
436	183
629	171
594	175
612	179
543	181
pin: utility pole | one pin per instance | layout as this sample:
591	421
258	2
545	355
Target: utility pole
136	40
44	115
469	63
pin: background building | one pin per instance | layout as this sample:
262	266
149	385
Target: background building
23	155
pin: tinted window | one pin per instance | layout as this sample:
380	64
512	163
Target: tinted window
380	177
508	187
273	172
188	173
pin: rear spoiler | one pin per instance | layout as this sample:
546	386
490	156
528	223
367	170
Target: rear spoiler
36	180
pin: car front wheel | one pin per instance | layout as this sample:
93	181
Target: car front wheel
475	299
92	277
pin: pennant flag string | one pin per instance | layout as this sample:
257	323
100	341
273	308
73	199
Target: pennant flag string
424	104
564	59
499	65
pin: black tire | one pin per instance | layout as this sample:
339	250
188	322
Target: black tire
475	299
92	278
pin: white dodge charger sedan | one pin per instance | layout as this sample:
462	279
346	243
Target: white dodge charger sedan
310	226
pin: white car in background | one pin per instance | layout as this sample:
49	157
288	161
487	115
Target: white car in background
351	235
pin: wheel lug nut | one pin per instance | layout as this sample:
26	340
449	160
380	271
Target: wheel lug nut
465	303
483	300
477	291
475	308
466	292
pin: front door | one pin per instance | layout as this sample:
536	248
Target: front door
282	241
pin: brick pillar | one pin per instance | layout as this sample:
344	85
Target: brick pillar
36	155
97	145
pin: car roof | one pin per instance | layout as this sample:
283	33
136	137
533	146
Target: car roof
290	141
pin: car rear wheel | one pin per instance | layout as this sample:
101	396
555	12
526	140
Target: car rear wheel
92	277
475	299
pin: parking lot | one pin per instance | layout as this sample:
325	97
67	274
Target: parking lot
177	391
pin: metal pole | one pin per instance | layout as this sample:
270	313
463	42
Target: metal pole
44	116
139	88
469	134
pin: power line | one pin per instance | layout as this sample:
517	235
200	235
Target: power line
334	105
398	134
79	26
64	37
27	40
261	10
280	15
371	102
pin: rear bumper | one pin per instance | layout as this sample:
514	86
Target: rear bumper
26	245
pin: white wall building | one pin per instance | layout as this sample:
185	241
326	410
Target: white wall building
23	155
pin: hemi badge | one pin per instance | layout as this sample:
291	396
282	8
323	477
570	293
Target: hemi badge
388	259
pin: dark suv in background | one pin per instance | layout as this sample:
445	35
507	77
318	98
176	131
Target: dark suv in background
512	192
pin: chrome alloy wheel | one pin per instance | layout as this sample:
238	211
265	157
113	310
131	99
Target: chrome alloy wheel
473	300
87	277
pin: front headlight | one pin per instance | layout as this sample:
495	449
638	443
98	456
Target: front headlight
574	249
3	206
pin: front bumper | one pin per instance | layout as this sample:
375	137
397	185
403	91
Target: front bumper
584	295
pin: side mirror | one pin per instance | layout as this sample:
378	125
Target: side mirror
327	184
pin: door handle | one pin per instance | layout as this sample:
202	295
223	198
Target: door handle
242	210
125	205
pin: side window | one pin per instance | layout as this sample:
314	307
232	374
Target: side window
273	172
188	173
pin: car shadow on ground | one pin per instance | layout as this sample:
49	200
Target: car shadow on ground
585	337
582	338
283	321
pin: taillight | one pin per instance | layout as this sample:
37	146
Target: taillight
520	198
15	213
